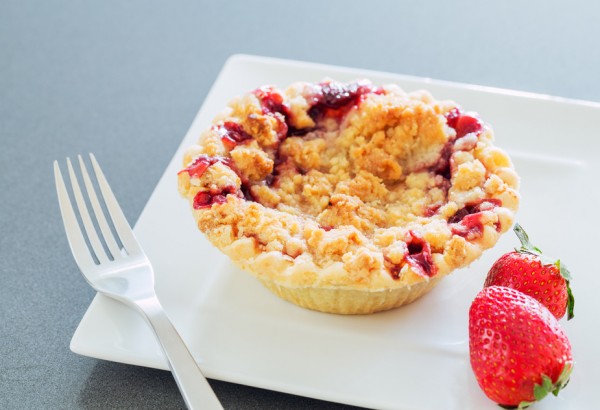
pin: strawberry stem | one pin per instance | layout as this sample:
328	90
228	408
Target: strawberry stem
526	245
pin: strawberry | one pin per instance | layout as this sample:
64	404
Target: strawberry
529	271
518	351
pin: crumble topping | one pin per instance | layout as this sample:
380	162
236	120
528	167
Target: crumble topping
349	185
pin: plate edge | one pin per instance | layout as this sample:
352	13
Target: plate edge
448	83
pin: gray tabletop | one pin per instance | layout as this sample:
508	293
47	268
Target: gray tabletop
125	79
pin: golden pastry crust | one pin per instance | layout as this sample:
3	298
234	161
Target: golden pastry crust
330	189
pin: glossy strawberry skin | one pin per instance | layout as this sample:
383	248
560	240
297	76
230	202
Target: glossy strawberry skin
513	341
526	273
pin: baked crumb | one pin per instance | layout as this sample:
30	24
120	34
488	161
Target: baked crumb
349	186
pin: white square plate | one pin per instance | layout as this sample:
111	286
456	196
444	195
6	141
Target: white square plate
409	358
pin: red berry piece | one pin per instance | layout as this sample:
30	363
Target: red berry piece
199	166
452	117
335	99
233	134
463	123
466	222
273	104
467	124
419	255
205	199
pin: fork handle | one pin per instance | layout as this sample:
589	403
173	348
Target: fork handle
192	384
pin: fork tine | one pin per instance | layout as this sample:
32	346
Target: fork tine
85	217
119	221
109	238
75	237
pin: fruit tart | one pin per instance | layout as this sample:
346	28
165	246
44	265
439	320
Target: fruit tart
349	198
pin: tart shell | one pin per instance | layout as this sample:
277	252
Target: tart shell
350	301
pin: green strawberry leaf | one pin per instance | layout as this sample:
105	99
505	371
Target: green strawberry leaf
524	405
570	303
541	390
564	272
563	379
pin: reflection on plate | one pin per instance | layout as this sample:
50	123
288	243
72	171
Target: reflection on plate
239	332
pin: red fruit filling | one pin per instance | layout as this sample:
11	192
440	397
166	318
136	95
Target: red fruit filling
466	222
207	199
233	134
463	123
474	208
443	166
419	255
203	162
335	99
432	210
272	104
452	117
470	227
395	271
468	124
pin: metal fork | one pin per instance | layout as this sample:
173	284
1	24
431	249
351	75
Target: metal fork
124	273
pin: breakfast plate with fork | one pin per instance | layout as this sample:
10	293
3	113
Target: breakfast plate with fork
239	332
